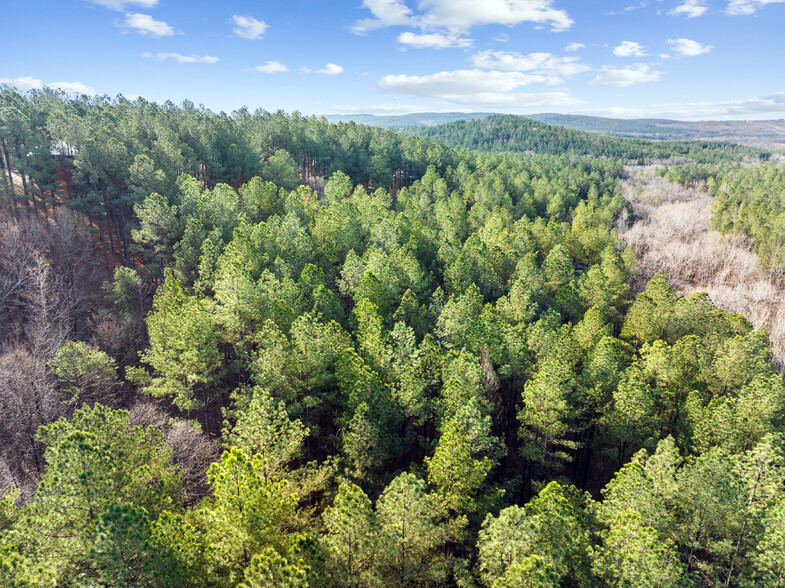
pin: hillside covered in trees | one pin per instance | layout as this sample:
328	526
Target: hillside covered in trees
264	350
765	134
519	134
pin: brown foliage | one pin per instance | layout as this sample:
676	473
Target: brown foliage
672	235
49	285
28	399
192	450
49	282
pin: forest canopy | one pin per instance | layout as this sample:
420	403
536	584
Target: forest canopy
263	350
510	133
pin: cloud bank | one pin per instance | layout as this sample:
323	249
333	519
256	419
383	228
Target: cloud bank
461	14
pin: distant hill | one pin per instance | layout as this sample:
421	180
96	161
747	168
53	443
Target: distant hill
512	133
420	119
643	128
766	134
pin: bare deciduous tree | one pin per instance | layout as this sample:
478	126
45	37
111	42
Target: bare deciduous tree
192	450
49	281
672	235
28	399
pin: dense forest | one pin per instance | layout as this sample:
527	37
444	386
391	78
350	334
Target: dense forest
747	200
264	350
751	201
509	133
109	155
765	134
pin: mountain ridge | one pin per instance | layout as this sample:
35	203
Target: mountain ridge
766	134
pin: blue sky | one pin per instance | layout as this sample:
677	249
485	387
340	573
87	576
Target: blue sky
689	59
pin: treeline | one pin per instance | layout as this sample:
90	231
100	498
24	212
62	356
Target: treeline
751	201
697	175
445	383
748	200
510	133
101	156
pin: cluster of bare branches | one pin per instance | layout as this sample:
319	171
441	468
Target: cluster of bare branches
191	449
49	279
28	399
672	235
50	293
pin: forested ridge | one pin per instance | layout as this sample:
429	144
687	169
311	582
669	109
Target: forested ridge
510	133
262	350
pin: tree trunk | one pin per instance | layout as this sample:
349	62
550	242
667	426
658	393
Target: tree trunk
43	205
27	197
24	182
124	230
103	245
54	199
35	201
8	180
67	178
108	217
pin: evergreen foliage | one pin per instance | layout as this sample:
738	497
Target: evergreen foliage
427	366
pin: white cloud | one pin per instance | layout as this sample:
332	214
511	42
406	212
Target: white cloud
691	8
434	40
469	13
248	27
73	88
748	6
23	83
120	5
771	103
762	107
630	8
387	12
688	48
545	63
627	76
271	67
144	24
180	58
477	88
389	109
451	83
515	100
462	14
629	49
26	83
330	69
575	47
